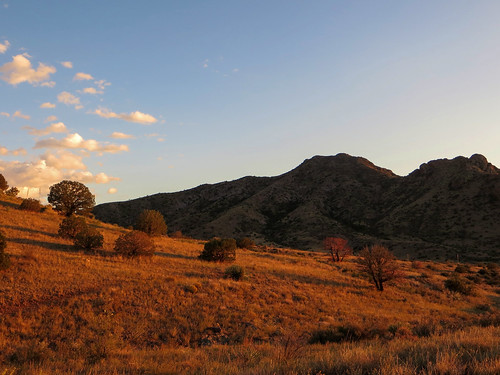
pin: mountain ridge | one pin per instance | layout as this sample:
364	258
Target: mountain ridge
444	208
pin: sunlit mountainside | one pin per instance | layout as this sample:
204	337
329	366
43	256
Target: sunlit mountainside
444	209
65	311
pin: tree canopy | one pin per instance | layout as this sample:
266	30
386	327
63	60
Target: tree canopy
71	197
3	183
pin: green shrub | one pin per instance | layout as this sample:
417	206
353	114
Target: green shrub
219	250
458	284
30	204
151	222
135	243
89	239
71	226
234	272
244	243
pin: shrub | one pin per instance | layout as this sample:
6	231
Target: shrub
234	272
71	226
338	334
245	243
12	192
219	250
458	284
3	183
134	243
462	268
151	222
89	239
4	258
176	234
30	204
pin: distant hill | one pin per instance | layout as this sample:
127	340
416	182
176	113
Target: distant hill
444	208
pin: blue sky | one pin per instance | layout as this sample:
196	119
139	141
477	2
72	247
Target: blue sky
134	98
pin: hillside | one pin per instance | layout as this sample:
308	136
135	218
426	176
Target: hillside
63	311
443	209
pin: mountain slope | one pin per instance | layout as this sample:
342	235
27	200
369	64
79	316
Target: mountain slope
443	208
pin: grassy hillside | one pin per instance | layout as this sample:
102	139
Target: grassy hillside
65	311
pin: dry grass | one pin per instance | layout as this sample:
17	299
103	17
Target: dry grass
65	311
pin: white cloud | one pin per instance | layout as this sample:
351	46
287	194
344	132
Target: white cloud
82	77
63	160
138	117
67	64
75	141
102	178
112	190
92	91
5	114
101	84
4	46
20	70
21	115
5	151
69	99
57	127
118	135
47	105
50	119
48	84
236	70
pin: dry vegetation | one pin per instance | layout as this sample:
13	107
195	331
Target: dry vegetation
66	311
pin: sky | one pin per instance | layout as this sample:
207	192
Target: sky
135	98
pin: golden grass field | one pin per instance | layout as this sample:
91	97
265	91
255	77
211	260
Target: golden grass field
64	311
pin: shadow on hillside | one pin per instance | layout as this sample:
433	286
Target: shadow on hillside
28	230
48	245
9	204
170	255
307	279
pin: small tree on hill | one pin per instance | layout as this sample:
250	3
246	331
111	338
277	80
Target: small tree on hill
12	192
151	222
3	183
71	226
219	250
89	239
380	264
337	247
135	243
71	197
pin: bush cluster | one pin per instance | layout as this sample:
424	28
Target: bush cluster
89	239
4	258
12	192
219	250
135	243
30	204
151	222
456	283
245	243
71	226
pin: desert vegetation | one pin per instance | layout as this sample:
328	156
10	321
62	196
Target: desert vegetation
151	222
64	310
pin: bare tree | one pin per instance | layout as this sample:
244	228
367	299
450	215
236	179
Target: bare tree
337	247
380	264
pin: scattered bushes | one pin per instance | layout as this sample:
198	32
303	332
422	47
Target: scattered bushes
89	239
455	283
30	204
151	222
245	243
4	258
135	243
234	272
219	250
71	226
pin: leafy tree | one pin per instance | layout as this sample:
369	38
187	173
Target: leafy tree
135	243
89	239
12	192
71	197
337	247
3	183
71	226
380	264
151	222
219	250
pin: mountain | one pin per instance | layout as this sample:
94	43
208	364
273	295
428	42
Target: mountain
444	209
